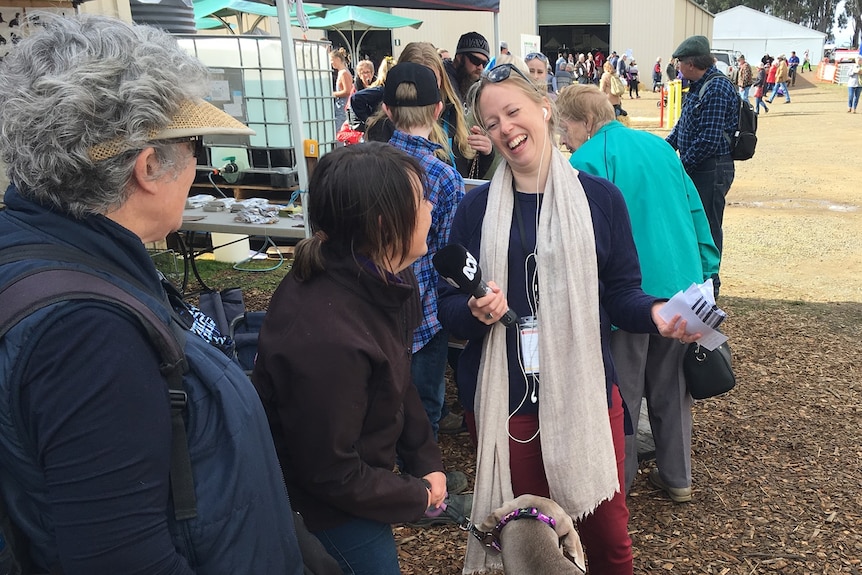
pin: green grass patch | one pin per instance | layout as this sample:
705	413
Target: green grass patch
221	275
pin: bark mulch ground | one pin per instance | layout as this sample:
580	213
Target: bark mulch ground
777	462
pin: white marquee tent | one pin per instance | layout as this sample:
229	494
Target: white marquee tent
754	34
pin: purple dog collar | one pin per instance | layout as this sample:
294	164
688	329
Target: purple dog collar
493	542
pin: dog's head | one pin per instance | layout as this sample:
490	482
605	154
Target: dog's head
565	527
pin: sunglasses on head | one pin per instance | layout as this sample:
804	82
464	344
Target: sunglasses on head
535	55
502	72
476	60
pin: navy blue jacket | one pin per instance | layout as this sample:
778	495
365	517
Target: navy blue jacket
85	432
620	296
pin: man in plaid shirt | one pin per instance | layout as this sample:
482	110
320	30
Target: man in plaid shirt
703	133
745	78
412	102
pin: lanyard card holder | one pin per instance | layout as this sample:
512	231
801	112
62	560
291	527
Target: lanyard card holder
529	334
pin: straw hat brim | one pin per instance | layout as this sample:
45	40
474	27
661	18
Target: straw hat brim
194	118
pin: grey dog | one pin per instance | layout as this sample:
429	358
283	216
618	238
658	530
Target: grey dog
531	547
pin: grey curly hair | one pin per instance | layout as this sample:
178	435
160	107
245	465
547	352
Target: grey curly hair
73	83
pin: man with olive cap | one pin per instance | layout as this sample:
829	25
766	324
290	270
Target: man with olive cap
703	133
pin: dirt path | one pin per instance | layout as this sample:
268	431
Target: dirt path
793	223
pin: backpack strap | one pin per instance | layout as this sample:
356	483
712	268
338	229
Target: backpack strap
701	92
66	254
42	287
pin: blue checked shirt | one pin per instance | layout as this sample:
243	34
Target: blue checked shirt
705	124
444	188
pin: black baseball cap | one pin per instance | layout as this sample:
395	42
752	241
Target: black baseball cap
422	77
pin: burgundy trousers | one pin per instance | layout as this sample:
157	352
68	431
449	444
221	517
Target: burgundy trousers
604	533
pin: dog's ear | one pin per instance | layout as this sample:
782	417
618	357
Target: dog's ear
494	518
570	540
565	528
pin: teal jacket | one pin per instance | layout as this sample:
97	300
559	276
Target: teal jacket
669	225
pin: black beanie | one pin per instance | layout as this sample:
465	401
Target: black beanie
475	43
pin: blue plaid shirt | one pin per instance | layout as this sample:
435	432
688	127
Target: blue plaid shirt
445	188
706	123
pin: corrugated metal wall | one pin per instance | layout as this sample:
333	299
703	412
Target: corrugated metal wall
645	28
443	27
571	12
654	29
691	20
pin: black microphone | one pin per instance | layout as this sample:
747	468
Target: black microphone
461	270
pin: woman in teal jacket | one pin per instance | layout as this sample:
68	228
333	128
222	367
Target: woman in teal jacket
675	249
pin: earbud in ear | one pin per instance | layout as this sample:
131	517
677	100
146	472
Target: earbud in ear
545	113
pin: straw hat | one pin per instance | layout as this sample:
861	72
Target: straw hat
194	118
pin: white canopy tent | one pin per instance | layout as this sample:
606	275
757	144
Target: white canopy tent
754	34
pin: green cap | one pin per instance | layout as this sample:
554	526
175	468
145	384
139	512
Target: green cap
693	46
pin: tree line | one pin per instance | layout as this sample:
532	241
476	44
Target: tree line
815	14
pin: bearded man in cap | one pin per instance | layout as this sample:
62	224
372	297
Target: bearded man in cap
471	57
703	137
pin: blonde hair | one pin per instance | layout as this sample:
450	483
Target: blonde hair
426	54
341	54
386	64
519	83
585	103
409	117
515	61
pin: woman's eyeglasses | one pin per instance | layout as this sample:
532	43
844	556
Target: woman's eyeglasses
534	56
502	72
197	143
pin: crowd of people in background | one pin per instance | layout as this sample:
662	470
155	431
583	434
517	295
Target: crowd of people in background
763	81
772	77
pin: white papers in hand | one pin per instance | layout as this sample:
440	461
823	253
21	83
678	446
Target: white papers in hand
696	306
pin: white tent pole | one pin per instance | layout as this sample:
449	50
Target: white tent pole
293	107
495	48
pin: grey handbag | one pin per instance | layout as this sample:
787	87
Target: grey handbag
708	373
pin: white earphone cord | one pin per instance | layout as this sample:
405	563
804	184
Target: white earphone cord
530	287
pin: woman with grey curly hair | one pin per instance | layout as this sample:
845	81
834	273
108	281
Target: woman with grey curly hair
67	92
100	124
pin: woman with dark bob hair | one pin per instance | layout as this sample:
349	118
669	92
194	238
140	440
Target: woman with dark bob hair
333	366
101	123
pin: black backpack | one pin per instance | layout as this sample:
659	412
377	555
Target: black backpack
743	142
41	287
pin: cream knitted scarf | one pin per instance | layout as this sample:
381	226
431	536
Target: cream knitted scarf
577	447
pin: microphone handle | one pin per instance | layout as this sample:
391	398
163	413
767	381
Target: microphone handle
509	318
